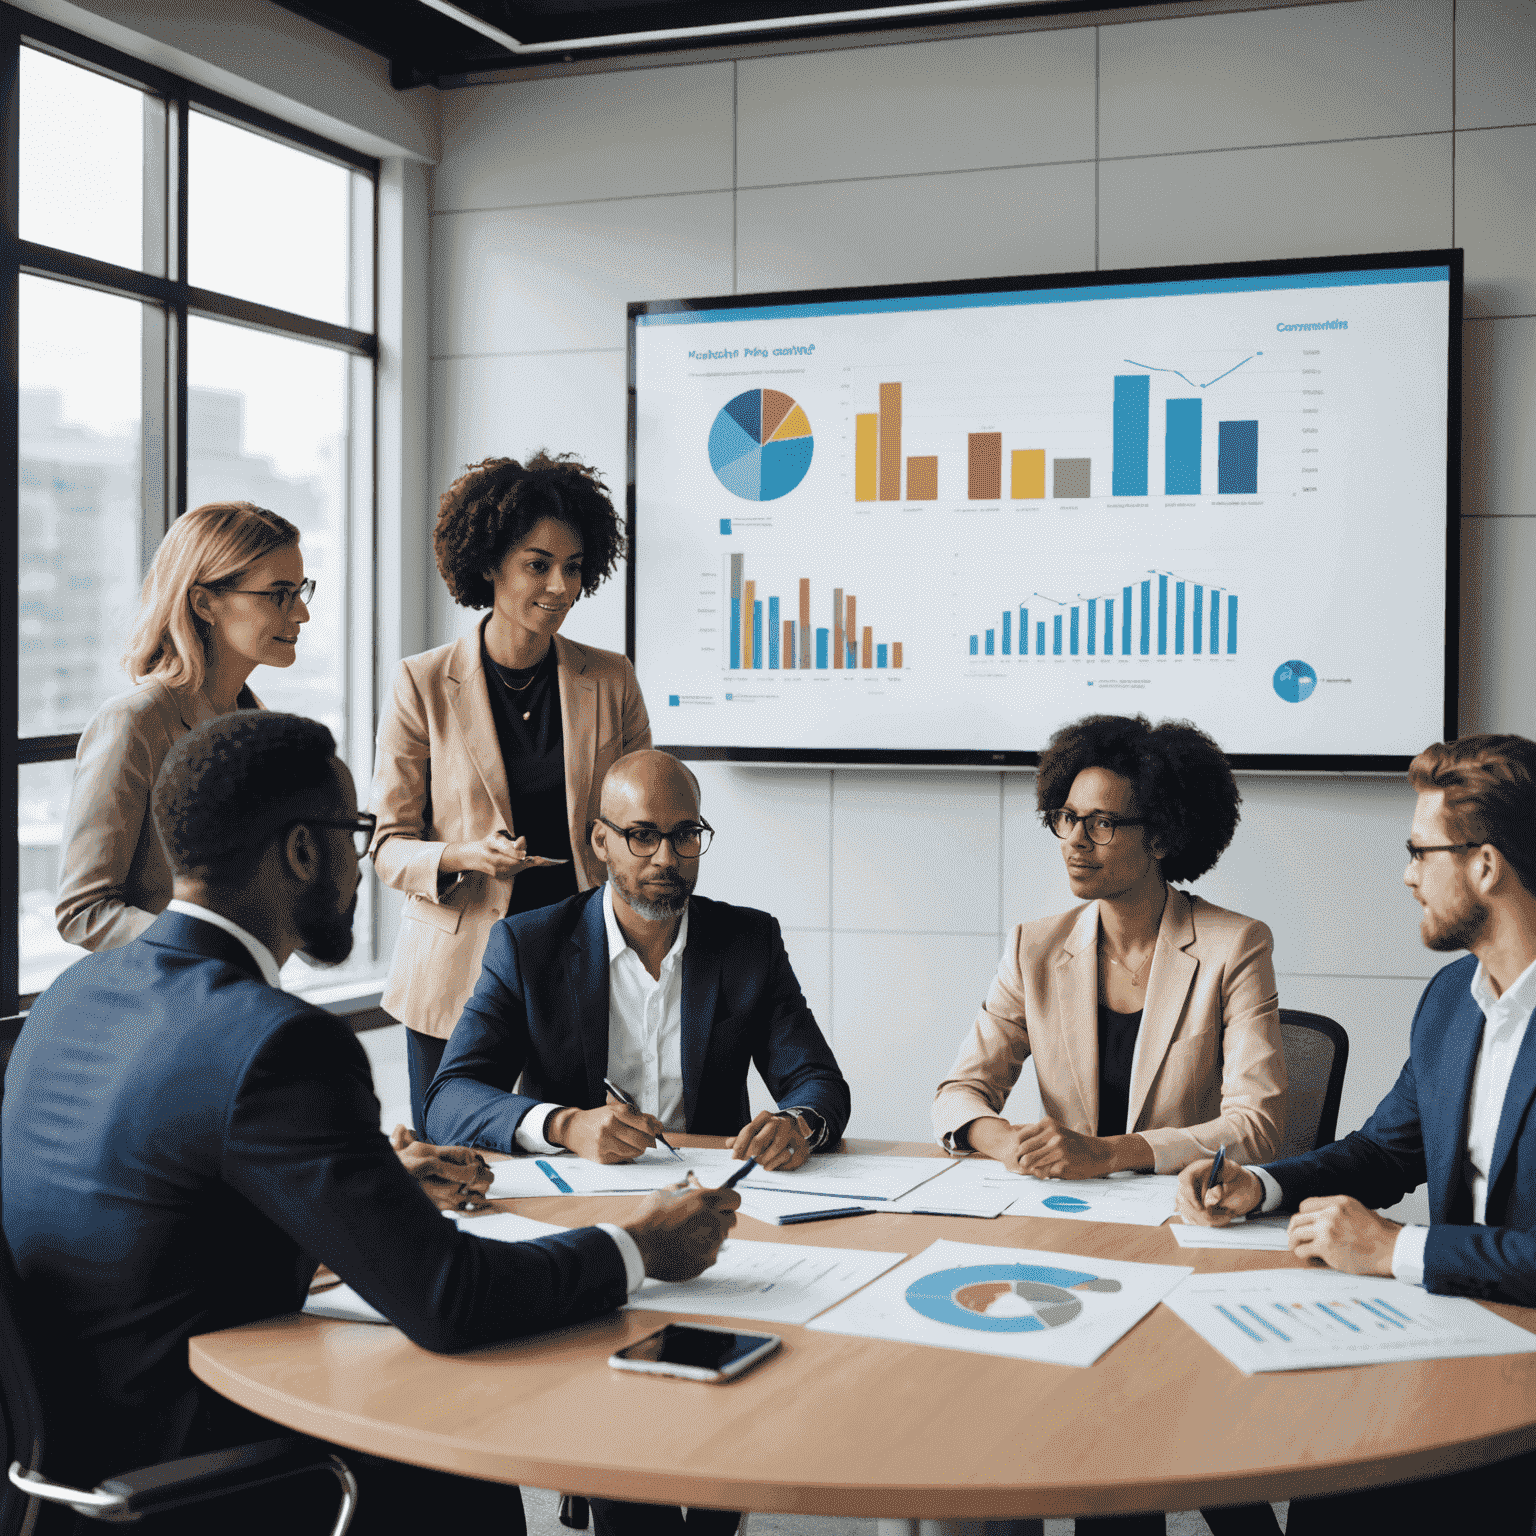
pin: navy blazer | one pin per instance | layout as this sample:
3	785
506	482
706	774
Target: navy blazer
540	1012
1419	1133
182	1144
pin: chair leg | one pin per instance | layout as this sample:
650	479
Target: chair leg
348	1496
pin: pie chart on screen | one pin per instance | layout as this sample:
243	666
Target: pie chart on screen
760	445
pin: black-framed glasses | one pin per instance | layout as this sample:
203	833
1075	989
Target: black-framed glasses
281	598
1099	825
688	842
1416	853
362	827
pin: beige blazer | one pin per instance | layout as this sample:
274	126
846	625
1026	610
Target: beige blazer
1208	1067
439	779
113	877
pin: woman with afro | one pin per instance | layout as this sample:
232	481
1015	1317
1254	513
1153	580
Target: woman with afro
492	750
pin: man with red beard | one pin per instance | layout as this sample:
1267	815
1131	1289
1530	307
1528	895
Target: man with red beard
1457	1117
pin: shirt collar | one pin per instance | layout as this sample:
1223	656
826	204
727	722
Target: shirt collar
1517	1000
617	943
265	961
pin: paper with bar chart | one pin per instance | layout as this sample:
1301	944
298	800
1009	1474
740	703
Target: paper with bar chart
940	522
1308	1319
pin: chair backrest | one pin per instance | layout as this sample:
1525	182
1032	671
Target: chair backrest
21	1409
1316	1053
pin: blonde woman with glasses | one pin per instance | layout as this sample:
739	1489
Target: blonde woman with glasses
226	594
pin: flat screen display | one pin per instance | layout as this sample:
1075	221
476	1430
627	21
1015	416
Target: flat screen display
934	523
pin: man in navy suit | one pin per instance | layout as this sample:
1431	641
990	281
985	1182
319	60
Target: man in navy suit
669	996
1457	1117
184	1141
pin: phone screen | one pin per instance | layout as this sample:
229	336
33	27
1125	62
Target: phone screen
677	1344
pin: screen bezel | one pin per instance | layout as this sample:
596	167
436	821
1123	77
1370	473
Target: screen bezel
1299	762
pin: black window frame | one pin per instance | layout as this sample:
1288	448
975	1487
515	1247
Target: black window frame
164	493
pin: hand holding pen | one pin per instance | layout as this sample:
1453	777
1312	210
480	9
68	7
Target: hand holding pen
626	1100
1218	1192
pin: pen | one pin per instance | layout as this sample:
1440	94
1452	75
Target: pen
624	1098
1213	1178
740	1174
842	1210
554	1178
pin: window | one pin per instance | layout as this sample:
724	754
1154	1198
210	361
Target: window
194	321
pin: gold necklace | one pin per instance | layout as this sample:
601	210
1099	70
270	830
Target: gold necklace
512	688
1134	975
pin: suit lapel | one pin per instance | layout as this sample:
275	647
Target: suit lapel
587	978
1445	1103
1168	987
1517	1099
701	987
471	706
1077	1003
578	725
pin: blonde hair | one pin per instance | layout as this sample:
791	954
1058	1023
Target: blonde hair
211	546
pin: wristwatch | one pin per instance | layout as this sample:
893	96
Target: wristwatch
818	1126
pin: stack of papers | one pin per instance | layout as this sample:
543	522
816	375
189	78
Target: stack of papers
1307	1319
1138	1199
768	1282
1016	1302
1266	1233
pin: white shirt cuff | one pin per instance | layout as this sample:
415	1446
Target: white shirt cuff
1408	1255
634	1265
530	1130
1272	1195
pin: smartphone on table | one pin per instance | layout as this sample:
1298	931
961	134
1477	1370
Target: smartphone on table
695	1351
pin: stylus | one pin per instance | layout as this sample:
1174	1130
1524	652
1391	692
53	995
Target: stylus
740	1174
624	1098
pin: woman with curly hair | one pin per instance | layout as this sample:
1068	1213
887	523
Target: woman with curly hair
492	750
1152	1015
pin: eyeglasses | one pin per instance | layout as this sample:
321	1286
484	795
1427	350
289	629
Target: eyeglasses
688	842
1416	853
1099	825
361	827
282	598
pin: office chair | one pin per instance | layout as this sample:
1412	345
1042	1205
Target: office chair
1316	1053
146	1490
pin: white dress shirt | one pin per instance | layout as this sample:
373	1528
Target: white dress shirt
266	963
1505	1020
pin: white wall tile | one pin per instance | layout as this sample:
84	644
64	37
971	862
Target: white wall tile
1496	219
1034	877
902	1004
1495	63
915	229
915	852
774	831
1498	575
558	278
625	133
1498	448
985	101
1321	861
1313	200
1280	76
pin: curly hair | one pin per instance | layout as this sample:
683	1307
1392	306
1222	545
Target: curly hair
1489	783
1183	783
231	782
495	504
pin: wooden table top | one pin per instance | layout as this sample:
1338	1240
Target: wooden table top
833	1425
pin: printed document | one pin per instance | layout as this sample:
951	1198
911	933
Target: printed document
1137	1199
1261	1232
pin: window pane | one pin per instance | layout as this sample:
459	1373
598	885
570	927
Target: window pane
43	799
82	161
267	422
267	222
80	524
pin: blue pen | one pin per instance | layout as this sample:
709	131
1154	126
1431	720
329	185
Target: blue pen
548	1169
1213	1178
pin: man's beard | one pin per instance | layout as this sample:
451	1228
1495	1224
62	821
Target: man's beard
657	904
1460	928
325	930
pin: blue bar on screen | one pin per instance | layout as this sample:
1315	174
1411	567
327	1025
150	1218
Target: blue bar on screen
1181	449
1007	632
853	654
1023	631
1178	618
757	636
821	648
1056	646
1132	415
735	631
1074	631
1199	624
1093	620
1040	638
1109	626
1237	458
1146	618
991	641
1125	621
773	633
1231	626
1215	622
879	655
973	645
1162	615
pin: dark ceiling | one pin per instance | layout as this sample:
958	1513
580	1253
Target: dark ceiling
423	45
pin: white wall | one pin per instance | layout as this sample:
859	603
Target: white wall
1363	126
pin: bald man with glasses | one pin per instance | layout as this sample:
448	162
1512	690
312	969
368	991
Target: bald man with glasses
668	996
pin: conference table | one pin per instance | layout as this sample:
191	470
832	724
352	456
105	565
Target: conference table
835	1425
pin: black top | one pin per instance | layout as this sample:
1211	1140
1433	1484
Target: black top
533	754
1117	1046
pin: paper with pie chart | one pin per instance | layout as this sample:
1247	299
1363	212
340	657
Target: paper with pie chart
1136	1199
1023	1303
